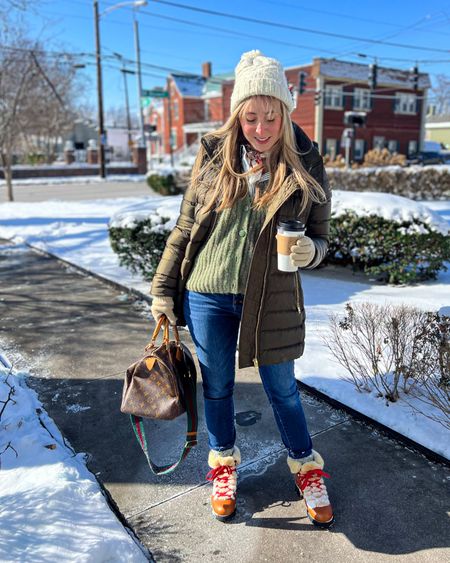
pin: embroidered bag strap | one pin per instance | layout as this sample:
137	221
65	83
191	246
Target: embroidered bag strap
189	380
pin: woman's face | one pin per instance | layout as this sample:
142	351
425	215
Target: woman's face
261	123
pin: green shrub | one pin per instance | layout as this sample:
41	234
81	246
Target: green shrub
414	182
140	245
163	184
396	253
393	252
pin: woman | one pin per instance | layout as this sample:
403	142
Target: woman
219	274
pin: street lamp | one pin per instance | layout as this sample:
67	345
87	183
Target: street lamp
101	127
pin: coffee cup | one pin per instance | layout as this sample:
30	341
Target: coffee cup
288	233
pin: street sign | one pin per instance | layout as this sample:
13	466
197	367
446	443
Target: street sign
145	102
155	94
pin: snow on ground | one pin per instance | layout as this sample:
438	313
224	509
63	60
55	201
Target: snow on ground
77	232
52	506
75	180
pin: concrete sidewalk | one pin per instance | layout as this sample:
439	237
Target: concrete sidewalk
78	336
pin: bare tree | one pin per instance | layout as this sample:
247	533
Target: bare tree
55	112
37	94
17	73
441	94
38	91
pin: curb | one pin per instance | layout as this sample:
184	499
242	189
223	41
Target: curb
389	432
393	434
107	495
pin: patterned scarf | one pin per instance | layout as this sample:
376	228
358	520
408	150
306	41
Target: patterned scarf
255	162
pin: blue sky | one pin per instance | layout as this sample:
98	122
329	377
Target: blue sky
166	42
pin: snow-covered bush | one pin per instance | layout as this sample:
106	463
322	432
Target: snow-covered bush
415	182
392	252
140	244
389	237
163	184
397	239
398	351
170	180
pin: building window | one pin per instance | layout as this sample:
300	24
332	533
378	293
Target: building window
361	99
359	149
207	112
405	103
331	148
173	137
175	110
393	146
334	97
412	147
378	142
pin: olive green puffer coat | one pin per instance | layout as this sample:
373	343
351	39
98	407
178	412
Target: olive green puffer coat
273	316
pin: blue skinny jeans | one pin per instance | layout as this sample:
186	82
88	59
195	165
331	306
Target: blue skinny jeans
213	320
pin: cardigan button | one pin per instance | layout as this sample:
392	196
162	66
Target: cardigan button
242	233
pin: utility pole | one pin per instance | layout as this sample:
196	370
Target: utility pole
169	107
139	81
127	104
101	125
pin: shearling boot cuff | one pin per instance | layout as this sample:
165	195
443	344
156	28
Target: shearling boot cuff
215	459
295	465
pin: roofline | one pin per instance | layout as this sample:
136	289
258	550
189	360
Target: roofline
365	64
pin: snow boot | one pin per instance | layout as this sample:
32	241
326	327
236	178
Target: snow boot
224	477
309	484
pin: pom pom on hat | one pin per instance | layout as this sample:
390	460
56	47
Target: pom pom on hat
257	75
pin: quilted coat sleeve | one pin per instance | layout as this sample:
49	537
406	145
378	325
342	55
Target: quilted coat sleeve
165	280
318	224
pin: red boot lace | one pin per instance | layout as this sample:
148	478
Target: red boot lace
221	474
311	477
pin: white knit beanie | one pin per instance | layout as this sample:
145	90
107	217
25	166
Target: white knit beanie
257	75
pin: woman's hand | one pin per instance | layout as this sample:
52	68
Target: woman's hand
302	253
163	306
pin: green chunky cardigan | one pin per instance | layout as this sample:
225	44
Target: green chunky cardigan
223	263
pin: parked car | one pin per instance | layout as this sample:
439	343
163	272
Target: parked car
427	157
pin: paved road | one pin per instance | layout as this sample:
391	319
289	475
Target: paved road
79	335
76	191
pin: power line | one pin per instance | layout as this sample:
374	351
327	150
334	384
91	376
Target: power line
267	39
302	29
239	34
111	57
339	14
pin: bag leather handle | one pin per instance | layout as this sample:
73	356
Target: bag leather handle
163	320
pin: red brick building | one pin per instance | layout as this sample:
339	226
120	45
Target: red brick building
394	111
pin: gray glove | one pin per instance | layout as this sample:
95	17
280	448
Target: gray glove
163	306
302	253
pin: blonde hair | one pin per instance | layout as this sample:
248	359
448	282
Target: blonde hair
283	163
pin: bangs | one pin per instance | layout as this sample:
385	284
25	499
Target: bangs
271	105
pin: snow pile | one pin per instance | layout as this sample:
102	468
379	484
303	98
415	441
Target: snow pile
154	209
167	170
391	207
52	506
